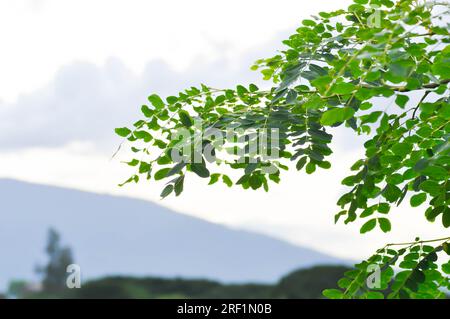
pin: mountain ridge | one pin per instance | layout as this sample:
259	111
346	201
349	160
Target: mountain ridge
147	239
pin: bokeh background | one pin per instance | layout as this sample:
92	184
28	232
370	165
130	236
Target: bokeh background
72	71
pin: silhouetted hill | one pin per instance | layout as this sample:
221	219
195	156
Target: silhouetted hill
304	283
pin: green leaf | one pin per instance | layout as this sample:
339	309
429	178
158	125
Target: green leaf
402	149
383	208
371	118
309	22
147	111
176	169
446	247
133	162
436	172
172	99
241	90
368	211
446	268
253	88
368	226
401	100
133	178
408	264
344	283
343	88
178	185
315	102
392	193
321	82
385	224
301	162
161	144
446	218
336	115
421	164
122	131
167	191
185	118
161	173
156	101
372	76
333	293
200	169
227	180
442	69
338	215
374	295
418	199
143	135
153	124
163	160
324	164
214	178
310	168
321	135
144	167
431	187
399	70
431	213
254	181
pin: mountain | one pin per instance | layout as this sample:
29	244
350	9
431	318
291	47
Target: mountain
113	235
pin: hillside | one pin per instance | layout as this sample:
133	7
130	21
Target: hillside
123	236
300	284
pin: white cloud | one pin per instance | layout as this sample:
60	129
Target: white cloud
86	102
39	37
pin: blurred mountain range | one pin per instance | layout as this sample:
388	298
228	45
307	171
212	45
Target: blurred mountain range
112	235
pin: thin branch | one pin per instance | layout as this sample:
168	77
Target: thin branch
420	103
419	242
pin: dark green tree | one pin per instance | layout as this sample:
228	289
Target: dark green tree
381	68
54	274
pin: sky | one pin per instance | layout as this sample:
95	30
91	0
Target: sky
72	71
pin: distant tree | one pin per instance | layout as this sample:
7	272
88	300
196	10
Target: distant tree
54	273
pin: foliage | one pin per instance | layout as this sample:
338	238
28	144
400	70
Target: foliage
380	68
420	275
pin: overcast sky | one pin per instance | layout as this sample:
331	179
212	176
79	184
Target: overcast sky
74	70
